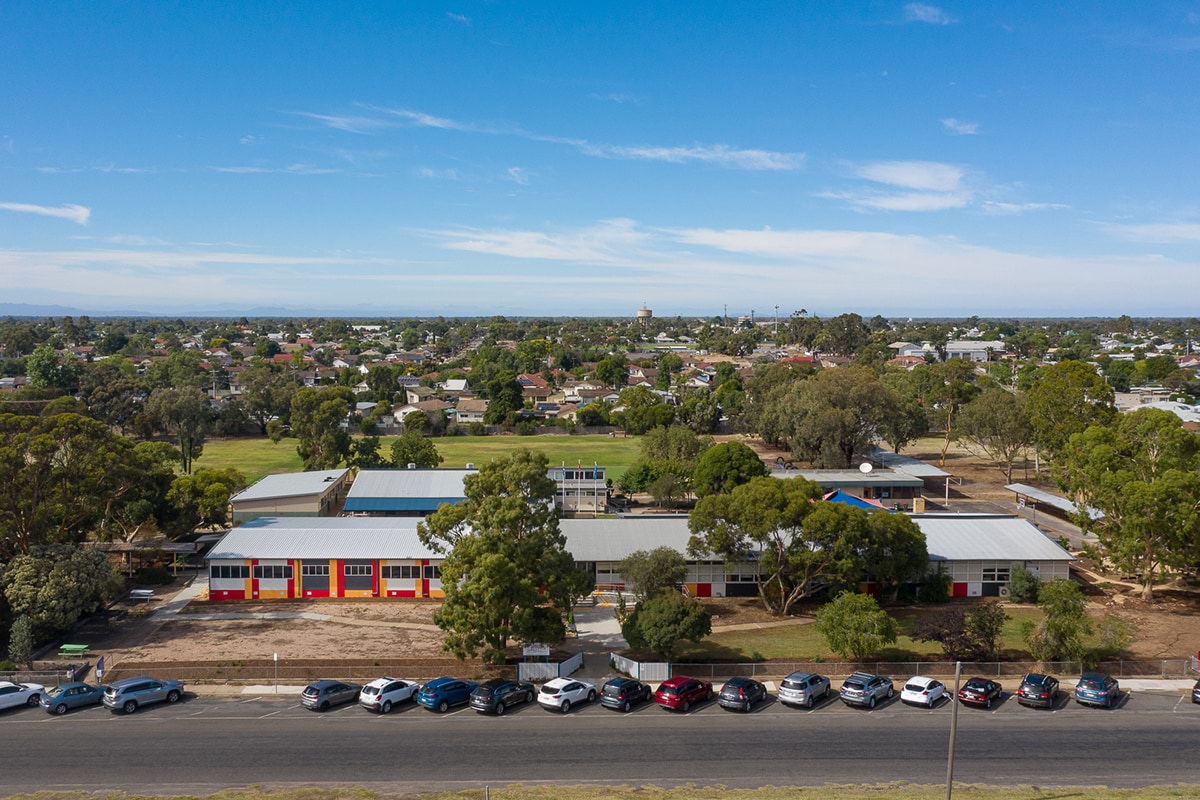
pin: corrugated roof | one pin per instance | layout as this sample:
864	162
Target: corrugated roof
833	478
908	464
324	538
967	537
291	484
1061	503
410	483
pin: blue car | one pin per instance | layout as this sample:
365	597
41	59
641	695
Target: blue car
1097	689
441	693
66	696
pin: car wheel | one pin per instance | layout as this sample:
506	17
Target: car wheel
33	700
443	707
129	707
686	706
592	696
386	707
625	706
871	702
173	696
500	709
566	706
60	709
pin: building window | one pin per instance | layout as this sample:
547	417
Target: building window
358	571
433	573
229	573
315	570
273	572
406	572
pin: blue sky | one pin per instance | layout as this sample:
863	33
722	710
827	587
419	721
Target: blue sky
583	158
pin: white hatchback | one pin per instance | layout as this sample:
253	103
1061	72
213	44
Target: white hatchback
562	693
20	694
383	693
922	691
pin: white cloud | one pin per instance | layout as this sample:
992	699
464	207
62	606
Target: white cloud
518	175
960	127
722	155
75	213
923	12
1012	209
462	19
923	175
1157	233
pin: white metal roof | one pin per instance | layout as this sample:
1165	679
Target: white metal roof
409	483
901	463
971	537
324	538
1050	499
290	484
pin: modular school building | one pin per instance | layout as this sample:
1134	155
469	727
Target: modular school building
381	557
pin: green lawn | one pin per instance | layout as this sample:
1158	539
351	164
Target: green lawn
803	643
257	457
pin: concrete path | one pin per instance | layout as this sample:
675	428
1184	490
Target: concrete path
207	616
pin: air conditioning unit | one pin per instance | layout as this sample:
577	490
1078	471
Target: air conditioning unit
1004	591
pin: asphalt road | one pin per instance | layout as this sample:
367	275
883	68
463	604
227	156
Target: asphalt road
208	743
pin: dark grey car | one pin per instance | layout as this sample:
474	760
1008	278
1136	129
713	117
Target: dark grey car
323	695
865	689
132	693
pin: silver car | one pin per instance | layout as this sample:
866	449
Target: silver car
129	695
803	689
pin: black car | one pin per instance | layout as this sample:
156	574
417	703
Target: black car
622	693
1038	690
498	694
741	694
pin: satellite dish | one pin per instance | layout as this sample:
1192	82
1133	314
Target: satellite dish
865	468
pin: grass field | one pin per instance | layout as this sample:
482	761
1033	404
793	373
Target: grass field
891	791
257	457
803	643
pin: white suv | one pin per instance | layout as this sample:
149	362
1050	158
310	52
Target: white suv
562	693
383	693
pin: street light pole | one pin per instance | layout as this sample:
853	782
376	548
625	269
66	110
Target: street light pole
953	731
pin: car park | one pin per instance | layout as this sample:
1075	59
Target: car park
803	689
382	694
980	692
866	689
324	695
1097	689
682	692
1038	690
131	694
65	696
561	693
498	694
922	691
20	694
623	693
741	694
442	693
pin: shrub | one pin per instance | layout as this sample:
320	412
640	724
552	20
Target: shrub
1023	586
935	588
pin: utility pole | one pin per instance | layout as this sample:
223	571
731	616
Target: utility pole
953	731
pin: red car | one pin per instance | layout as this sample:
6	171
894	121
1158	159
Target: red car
681	693
980	692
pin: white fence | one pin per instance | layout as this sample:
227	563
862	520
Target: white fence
643	671
544	671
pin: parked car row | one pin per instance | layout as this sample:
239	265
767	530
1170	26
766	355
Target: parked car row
495	696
